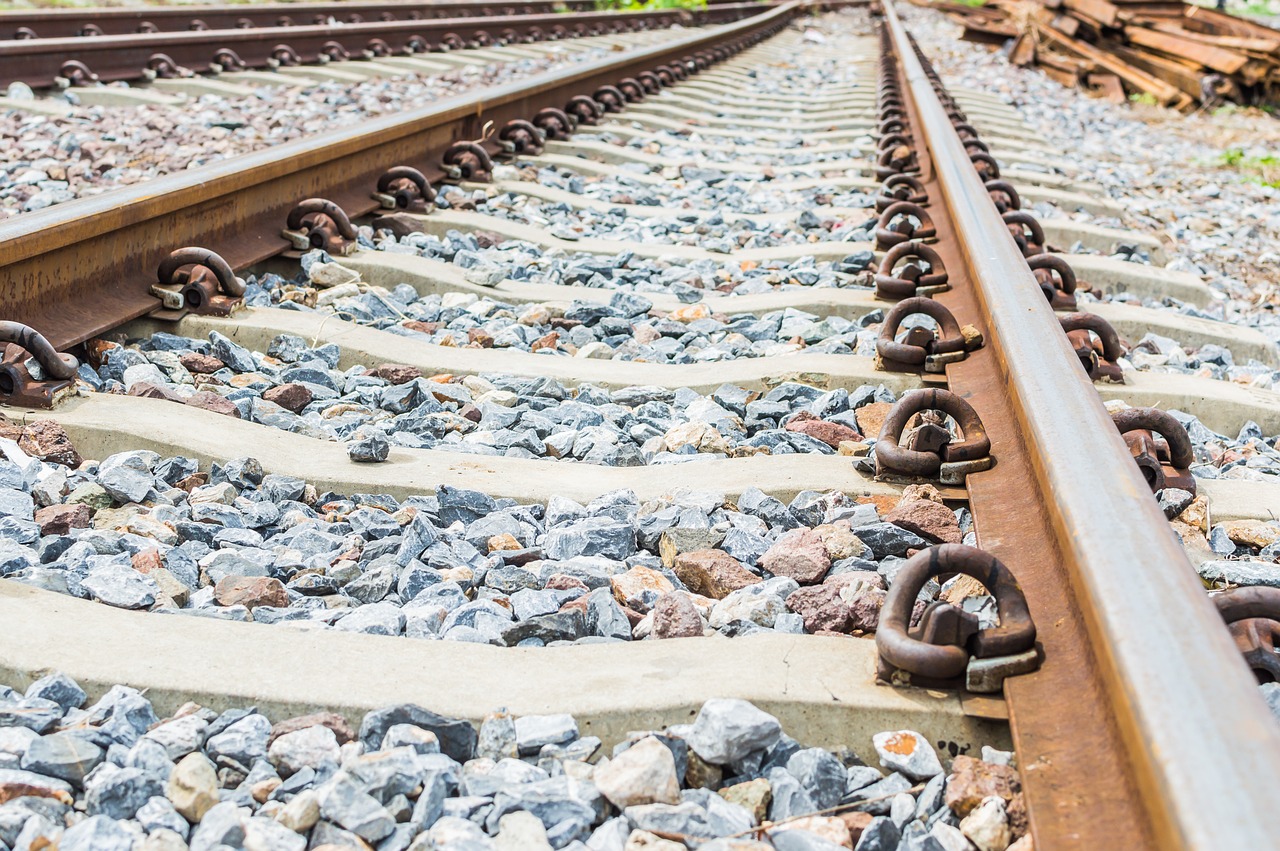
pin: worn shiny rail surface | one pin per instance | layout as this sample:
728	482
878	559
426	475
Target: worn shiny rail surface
1143	728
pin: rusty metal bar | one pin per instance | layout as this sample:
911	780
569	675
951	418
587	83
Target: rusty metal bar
81	268
38	62
64	23
1196	738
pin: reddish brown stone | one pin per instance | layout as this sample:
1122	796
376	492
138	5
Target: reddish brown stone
829	433
824	609
675	616
547	341
50	442
712	573
928	519
200	364
147	390
193	481
563	582
250	591
291	397
61	519
871	417
396	373
147	561
480	338
973	780
207	400
471	412
799	554
400	224
487	238
335	722
856	822
420	326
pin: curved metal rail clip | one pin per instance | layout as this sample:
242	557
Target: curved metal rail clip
948	648
930	450
1253	616
32	373
198	280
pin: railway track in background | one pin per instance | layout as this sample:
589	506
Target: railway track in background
1165	742
78	61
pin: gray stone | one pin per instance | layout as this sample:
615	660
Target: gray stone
534	731
96	833
32	713
119	792
881	835
594	536
457	737
127	476
821	774
67	756
877	795
59	688
370	448
245	741
223	825
1243	572
886	539
158	813
121	586
343	803
727	730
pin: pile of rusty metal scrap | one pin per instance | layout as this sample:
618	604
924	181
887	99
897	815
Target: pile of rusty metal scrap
1177	54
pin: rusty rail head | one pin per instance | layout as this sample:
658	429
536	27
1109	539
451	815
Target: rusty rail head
1202	746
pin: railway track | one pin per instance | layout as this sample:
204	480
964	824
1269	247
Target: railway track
524	335
350	48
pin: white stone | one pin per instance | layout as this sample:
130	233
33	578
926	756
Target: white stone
521	831
908	752
644	773
310	747
987	825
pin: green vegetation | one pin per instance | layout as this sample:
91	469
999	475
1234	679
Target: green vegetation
973	3
1144	98
647	5
1264	169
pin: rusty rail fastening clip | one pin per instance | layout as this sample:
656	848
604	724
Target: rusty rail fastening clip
912	279
1056	278
901	187
903	222
75	73
32	373
226	59
519	136
1253	616
204	282
929	450
1004	196
584	109
554	123
406	189
947	649
1098	355
467	161
921	347
1165	460
317	223
1025	230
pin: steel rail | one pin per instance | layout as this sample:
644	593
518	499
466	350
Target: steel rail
79	269
66	23
1197	742
39	62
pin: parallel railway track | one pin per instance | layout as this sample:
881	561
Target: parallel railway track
1128	733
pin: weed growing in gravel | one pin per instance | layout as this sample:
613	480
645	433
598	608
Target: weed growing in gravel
1263	169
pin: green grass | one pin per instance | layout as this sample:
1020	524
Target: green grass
974	3
647	5
1264	169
